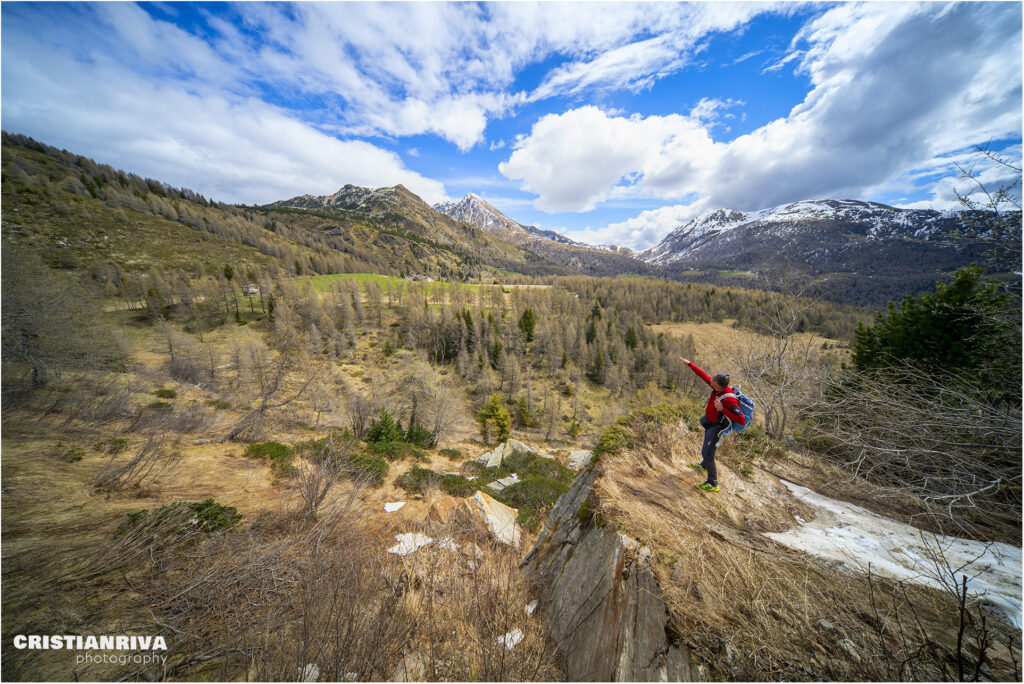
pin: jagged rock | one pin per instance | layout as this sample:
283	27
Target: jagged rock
413	668
495	457
531	606
443	509
578	460
498	485
602	605
310	673
514	445
392	506
499	518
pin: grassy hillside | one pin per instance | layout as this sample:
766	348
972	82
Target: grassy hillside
83	215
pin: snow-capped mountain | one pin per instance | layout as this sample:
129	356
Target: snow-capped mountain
867	252
847	220
476	211
814	231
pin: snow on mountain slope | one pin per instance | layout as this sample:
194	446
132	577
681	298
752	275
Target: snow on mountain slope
476	211
870	220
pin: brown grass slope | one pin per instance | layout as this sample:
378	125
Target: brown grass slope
751	609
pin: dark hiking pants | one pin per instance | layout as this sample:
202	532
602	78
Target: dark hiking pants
707	450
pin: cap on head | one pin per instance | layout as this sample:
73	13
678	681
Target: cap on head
721	379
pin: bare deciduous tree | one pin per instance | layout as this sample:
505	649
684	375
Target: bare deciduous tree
154	458
936	435
783	367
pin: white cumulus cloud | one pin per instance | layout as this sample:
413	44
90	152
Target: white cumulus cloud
894	87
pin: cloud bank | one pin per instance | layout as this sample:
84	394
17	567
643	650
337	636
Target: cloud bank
895	87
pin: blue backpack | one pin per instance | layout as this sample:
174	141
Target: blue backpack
746	407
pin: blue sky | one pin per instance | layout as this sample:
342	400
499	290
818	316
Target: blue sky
611	123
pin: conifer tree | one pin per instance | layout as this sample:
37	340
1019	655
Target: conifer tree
493	416
595	371
527	324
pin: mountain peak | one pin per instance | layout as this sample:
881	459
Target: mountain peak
477	211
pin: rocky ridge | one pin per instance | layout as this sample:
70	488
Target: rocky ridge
475	210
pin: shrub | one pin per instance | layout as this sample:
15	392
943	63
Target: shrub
457	485
213	516
613	440
418	480
484	475
72	454
394	451
620	435
116	445
207	516
419	435
217	404
384	429
372	468
159	406
165	393
341	448
454	454
754	443
529	463
524	418
530	518
279	455
532	490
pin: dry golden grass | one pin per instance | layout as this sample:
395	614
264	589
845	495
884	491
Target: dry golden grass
715	344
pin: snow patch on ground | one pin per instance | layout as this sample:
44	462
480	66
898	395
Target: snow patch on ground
859	538
510	639
409	542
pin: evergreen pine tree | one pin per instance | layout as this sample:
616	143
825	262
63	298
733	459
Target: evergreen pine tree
595	371
527	323
631	338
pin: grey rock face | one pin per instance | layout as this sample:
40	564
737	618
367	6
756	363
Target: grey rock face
601	601
579	459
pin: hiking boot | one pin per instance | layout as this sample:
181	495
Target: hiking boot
707	487
698	466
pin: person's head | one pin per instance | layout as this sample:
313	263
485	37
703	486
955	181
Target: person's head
720	381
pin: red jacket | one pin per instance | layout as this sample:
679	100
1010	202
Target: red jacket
730	405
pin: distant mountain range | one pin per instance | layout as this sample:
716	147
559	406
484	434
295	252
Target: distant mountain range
859	252
855	252
827	234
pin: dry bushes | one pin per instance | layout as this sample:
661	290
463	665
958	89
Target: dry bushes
194	418
154	458
269	602
937	437
95	399
751	610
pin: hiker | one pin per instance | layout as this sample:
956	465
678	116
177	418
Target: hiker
717	414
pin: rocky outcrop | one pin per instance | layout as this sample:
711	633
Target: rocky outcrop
600	599
499	518
578	460
495	458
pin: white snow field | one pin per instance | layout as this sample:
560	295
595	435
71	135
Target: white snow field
860	539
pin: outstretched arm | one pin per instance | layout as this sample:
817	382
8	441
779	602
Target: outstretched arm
696	369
